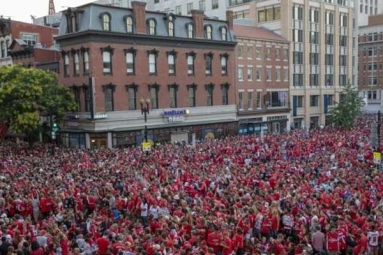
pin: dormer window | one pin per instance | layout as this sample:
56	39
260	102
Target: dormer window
208	32
223	33
105	17
151	27
74	23
171	28
190	30
129	25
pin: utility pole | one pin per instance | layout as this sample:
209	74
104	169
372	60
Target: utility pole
378	131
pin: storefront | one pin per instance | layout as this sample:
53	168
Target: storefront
73	140
263	125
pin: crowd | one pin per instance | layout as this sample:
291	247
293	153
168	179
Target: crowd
294	193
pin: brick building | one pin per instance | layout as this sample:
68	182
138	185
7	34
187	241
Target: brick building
113	57
26	38
262	80
370	59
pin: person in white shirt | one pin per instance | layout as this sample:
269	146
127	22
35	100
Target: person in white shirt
154	211
373	240
144	212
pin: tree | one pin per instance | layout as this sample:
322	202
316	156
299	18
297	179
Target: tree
26	93
347	109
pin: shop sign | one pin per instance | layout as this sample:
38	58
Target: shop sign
146	146
176	115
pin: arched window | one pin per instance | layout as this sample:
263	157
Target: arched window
171	28
190	30
224	33
129	25
152	27
208	32
106	22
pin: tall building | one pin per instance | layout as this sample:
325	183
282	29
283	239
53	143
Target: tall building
181	67
321	53
212	8
262	80
28	35
370	60
367	8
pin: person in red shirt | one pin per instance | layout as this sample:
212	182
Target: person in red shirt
103	245
118	246
227	245
332	241
238	242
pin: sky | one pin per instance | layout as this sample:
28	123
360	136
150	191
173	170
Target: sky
22	10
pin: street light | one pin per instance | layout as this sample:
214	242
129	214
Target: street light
145	111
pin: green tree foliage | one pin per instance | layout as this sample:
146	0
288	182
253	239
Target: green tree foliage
347	109
26	93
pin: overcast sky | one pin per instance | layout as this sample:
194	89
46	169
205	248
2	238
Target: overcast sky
23	9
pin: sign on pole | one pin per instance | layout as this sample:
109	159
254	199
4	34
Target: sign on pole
377	158
146	146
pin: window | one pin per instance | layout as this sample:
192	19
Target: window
190	30
132	97
190	62
329	79
151	27
173	95
277	54
314	15
109	97
208	63
202	5
314	80
297	35
189	7
225	93
268	74
372	95
240	100
258	52
192	95
172	63
77	94
300	101
66	64
85	63
107	62
285	74
240	73
342	60
259	100
286	54
259	74
152	63
214	4
73	23
130	56
208	32
314	37
314	101
297	12
249	100
129	25
223	33
154	95
343	20
29	39
106	22
278	74
171	27
240	51
224	58
329	59
209	94
372	80
2	50
178	10
268	53
298	80
297	58
249	73
249	52
277	99
86	91
342	80
329	18
76	64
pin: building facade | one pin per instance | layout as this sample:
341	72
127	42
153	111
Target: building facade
262	80
113	57
370	61
212	8
29	34
368	8
322	50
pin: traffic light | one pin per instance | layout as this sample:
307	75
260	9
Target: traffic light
55	127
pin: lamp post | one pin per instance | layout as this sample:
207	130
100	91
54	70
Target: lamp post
378	131
145	111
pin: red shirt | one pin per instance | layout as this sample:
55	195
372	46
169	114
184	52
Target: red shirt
119	246
332	241
102	244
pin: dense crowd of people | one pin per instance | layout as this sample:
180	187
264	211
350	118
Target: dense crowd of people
300	192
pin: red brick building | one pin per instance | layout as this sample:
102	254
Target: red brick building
183	65
33	44
370	59
262	80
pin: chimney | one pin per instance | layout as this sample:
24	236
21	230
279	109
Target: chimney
198	16
229	19
139	16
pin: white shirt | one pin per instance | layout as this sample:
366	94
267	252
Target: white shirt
154	211
144	210
373	238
